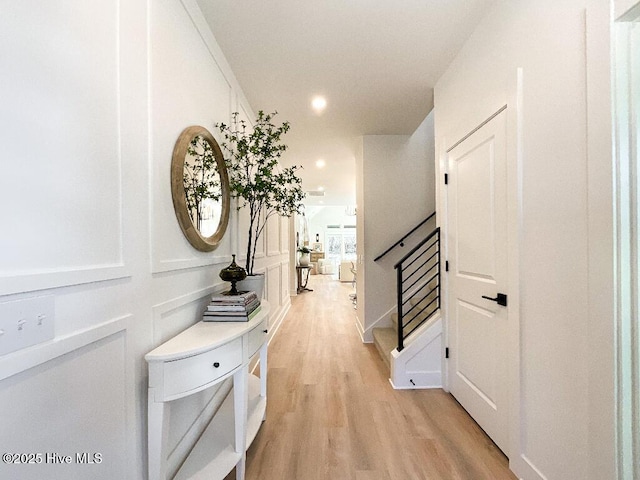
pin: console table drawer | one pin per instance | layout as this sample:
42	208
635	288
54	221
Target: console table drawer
192	372
257	337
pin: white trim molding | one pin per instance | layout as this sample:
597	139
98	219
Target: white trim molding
626	71
22	360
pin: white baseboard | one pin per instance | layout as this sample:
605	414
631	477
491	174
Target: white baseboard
383	321
279	317
526	469
361	332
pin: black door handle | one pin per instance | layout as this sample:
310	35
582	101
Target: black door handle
501	299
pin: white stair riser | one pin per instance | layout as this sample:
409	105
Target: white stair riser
419	364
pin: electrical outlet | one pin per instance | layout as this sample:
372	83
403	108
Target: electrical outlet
27	322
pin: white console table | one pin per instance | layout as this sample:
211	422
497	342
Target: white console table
198	358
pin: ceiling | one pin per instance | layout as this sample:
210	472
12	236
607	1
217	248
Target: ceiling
375	62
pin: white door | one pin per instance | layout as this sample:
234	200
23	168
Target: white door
477	249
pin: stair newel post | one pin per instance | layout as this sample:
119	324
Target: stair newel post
399	292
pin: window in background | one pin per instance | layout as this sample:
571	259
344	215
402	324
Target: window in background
340	243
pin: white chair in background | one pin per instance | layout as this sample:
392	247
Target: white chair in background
325	266
353	296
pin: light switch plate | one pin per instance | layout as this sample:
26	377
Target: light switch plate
26	322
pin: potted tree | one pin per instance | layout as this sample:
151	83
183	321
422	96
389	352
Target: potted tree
256	179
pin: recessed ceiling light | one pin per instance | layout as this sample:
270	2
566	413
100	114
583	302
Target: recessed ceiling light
318	104
321	188
320	163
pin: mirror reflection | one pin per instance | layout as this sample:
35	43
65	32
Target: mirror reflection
202	187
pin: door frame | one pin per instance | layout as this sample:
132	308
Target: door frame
514	161
626	95
602	405
491	132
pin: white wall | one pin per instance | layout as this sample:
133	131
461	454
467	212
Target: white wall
564	426
398	193
360	251
93	103
330	215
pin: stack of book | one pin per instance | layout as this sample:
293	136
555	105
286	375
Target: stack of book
232	308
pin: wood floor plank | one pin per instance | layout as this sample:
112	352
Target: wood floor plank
332	413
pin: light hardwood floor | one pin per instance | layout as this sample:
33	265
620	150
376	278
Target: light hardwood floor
332	413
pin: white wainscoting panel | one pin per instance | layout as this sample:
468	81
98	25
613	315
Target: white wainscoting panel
73	404
177	314
284	283
273	284
174	77
31	357
261	245
285	223
273	236
63	98
243	236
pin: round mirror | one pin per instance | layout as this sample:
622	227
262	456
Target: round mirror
200	188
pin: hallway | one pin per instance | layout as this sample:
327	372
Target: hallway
332	414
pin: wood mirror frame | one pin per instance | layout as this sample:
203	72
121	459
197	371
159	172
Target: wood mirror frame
200	242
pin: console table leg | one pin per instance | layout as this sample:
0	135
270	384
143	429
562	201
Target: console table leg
240	467
158	417
263	375
241	403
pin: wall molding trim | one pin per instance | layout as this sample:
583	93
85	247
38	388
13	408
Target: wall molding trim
162	266
533	472
21	360
46	279
160	309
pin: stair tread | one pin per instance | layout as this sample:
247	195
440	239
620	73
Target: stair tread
424	315
386	336
423	302
385	340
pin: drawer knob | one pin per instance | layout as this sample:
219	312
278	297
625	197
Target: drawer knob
265	331
216	364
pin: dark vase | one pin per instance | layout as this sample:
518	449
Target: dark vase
233	273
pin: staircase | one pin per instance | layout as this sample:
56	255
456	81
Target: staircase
412	346
386	338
